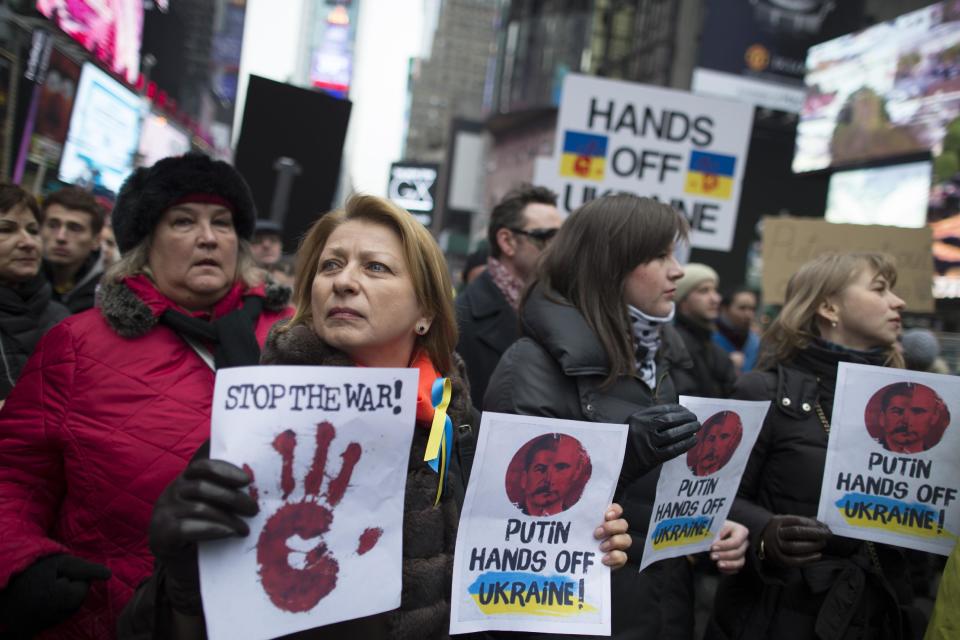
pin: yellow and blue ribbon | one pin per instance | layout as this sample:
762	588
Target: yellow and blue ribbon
440	441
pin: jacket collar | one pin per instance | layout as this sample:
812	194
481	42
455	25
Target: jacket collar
484	297
133	307
563	331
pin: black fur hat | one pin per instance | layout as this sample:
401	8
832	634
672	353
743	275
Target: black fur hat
149	191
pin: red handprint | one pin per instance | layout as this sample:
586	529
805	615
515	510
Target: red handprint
290	588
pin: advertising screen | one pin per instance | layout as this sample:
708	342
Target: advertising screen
160	139
895	195
109	29
889	91
104	130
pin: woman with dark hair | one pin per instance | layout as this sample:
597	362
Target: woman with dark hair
598	347
802	581
26	308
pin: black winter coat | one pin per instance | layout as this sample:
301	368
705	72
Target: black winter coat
711	373
556	371
26	313
83	294
429	532
488	326
845	596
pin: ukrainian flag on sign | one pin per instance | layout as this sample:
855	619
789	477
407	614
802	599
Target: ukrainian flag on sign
584	155
710	174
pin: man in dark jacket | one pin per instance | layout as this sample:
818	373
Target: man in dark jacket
72	222
711	373
520	227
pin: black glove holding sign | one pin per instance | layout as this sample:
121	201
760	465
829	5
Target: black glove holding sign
204	502
662	433
47	592
793	541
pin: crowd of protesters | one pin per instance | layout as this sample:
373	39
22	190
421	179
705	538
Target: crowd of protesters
109	360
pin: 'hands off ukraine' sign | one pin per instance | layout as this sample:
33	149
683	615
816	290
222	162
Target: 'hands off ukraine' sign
685	150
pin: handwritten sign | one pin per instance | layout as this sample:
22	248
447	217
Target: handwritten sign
790	242
695	491
327	447
892	472
526	558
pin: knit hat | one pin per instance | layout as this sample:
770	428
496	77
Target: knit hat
149	191
694	274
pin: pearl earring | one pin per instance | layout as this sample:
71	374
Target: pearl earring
833	323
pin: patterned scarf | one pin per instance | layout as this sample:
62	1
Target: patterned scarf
646	340
509	285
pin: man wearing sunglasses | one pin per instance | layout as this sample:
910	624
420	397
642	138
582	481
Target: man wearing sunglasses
520	227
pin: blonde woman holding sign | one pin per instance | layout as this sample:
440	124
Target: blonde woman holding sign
802	581
373	290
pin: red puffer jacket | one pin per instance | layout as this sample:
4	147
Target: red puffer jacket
110	407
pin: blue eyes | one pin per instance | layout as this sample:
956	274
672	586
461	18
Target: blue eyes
375	267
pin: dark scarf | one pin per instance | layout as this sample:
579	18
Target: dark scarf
700	330
232	337
737	337
21	308
821	358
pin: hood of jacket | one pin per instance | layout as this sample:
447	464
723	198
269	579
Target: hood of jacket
556	324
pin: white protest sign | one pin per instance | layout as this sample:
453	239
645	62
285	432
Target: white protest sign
526	558
685	150
892	473
695	491
328	449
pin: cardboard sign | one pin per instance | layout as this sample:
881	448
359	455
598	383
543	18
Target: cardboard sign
790	242
328	450
684	150
696	490
526	558
892	472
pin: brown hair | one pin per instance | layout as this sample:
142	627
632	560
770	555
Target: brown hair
508	213
825	276
428	271
593	253
12	196
80	200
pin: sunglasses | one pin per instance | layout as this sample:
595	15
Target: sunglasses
542	236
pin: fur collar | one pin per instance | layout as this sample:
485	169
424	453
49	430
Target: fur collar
130	317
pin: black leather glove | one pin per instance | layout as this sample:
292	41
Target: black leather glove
202	503
47	592
661	433
793	541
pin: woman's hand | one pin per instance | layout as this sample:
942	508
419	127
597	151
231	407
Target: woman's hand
204	502
616	540
729	550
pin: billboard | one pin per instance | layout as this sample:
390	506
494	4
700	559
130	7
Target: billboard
54	106
755	51
685	150
111	30
413	186
890	91
104	130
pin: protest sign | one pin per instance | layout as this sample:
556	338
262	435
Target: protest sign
695	491
327	447
526	558
790	242
684	150
892	472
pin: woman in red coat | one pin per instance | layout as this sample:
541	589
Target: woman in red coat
116	400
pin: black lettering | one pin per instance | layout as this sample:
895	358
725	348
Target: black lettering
628	120
596	113
702	125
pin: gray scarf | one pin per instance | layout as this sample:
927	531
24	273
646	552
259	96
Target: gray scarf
646	341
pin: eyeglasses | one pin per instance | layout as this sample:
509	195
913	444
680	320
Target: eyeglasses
540	236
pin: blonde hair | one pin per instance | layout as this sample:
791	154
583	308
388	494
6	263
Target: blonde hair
423	258
825	276
136	261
